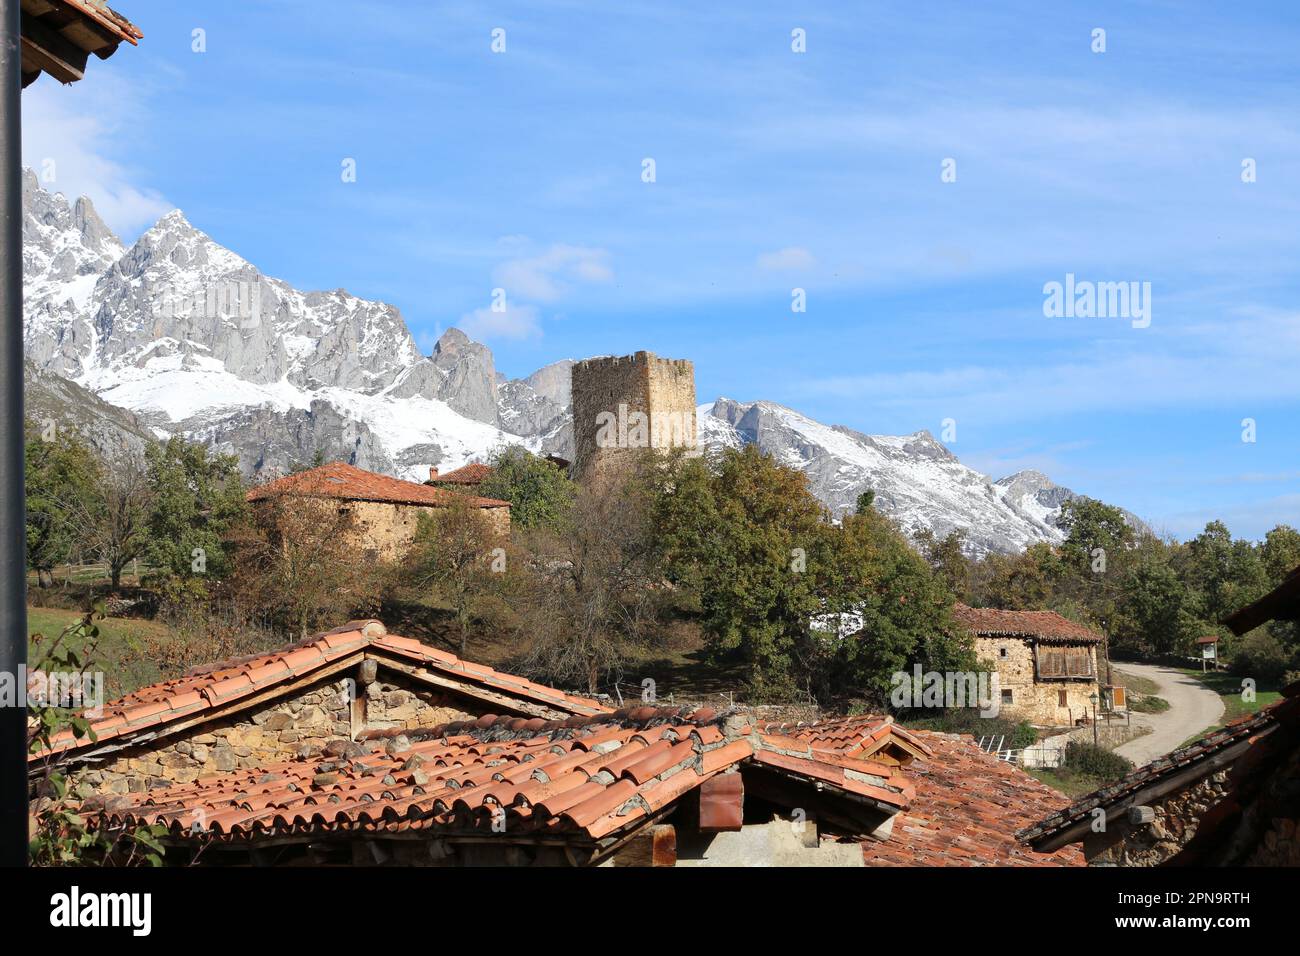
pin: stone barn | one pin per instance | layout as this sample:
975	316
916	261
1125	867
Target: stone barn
385	511
1046	664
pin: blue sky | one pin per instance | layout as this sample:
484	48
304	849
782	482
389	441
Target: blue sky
774	170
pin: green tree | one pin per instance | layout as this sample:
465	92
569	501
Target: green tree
1225	574
870	571
196	499
458	555
1155	615
60	484
1280	553
747	534
947	557
1090	525
540	494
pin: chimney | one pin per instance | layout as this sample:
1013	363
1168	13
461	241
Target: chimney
433	473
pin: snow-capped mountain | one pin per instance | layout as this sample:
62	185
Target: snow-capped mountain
195	340
916	480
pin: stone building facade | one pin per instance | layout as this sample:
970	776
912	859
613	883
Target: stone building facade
1025	696
1047	665
383	512
625	403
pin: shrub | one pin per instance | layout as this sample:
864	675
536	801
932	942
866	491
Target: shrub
1261	656
1095	761
1149	704
967	720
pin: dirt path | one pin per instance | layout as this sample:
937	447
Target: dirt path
1193	707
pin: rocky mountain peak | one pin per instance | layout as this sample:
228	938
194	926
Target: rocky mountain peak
195	340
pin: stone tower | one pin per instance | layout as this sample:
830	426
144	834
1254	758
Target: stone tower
629	402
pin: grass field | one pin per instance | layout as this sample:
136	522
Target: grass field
1228	686
120	653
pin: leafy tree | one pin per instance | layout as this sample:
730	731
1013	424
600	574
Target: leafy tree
459	556
1226	574
540	494
60	480
1089	525
196	499
947	557
905	609
594	592
296	565
1280	553
747	534
1155	614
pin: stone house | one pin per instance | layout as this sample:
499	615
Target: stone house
241	714
465	478
1231	798
1046	664
385	511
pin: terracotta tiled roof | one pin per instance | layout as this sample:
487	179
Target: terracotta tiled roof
858	736
1247	729
472	474
58	35
1047	626
583	777
967	807
214	686
341	480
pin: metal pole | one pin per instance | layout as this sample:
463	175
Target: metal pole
13	535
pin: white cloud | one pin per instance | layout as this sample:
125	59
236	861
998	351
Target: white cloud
551	274
71	132
513	322
789	258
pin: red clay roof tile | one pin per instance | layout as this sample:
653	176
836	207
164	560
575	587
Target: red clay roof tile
343	481
1047	626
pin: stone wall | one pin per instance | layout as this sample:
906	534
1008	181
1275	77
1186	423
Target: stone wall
386	530
619	388
1276	815
1150	844
296	726
1038	702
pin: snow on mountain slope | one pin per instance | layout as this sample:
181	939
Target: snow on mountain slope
197	341
916	480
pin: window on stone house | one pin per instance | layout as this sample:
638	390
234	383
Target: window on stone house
1002	652
1061	699
1007	696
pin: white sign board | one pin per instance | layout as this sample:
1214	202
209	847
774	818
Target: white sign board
1207	651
